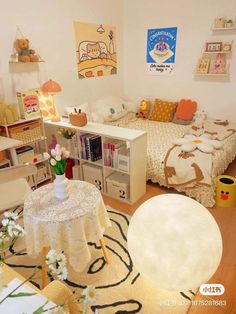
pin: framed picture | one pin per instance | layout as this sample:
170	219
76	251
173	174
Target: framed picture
213	46
227	47
203	66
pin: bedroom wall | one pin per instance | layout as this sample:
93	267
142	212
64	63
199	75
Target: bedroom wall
194	20
49	26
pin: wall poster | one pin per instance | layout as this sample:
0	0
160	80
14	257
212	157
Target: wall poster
96	49
161	45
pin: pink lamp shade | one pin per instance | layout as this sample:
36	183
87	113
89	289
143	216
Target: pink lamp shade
51	87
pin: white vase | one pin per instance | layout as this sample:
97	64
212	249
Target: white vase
60	187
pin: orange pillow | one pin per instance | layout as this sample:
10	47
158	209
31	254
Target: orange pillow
163	110
186	109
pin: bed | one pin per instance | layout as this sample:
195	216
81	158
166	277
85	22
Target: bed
160	140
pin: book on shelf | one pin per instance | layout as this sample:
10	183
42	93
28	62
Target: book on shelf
111	150
91	147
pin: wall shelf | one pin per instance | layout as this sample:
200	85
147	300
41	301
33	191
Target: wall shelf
223	28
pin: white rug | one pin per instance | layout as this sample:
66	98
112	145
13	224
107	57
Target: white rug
121	289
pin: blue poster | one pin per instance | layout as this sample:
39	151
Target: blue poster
161	45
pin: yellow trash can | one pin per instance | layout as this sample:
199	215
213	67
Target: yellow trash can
225	191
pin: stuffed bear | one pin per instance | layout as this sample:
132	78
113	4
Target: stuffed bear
25	54
219	65
143	110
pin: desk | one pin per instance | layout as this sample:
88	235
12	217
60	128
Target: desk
66	225
11	144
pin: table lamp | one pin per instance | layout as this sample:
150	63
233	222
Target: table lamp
51	87
175	242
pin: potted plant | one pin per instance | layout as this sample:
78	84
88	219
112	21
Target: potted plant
229	23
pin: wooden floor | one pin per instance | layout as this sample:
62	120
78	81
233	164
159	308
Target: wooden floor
226	273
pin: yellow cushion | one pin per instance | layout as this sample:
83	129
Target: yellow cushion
163	110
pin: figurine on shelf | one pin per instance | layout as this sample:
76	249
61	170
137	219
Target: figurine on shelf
219	64
25	54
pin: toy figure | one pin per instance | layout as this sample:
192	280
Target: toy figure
143	110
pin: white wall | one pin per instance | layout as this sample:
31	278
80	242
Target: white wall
194	20
49	26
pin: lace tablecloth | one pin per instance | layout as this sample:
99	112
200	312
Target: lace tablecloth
65	225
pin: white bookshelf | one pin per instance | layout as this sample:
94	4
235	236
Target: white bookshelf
135	140
39	144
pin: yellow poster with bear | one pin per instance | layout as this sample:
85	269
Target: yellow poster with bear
96	49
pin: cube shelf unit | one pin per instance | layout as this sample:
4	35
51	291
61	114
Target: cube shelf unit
38	143
135	141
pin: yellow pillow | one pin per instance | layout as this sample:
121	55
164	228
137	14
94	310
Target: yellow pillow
163	110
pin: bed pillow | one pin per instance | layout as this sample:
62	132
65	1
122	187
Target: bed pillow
163	111
180	121
186	109
109	108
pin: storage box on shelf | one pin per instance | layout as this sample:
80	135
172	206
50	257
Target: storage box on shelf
34	143
112	158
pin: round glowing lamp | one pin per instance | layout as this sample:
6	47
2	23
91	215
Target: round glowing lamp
175	242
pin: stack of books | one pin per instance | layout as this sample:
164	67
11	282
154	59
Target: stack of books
91	147
111	151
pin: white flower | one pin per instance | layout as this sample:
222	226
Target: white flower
58	151
53	152
5	222
89	295
53	162
15	230
62	273
58	147
61	258
51	257
191	142
57	264
11	215
46	156
58	157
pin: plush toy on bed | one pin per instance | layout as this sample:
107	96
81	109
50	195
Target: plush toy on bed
199	117
143	110
189	143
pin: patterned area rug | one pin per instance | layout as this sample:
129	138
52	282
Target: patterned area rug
121	289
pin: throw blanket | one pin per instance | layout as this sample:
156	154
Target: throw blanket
187	168
217	129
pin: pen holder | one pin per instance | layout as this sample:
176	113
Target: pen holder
78	118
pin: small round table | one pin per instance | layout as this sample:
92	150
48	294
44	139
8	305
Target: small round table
66	225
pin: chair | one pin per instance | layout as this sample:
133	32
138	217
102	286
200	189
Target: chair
59	293
14	186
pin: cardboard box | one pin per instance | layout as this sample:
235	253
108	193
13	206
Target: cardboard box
123	159
118	185
93	174
25	154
